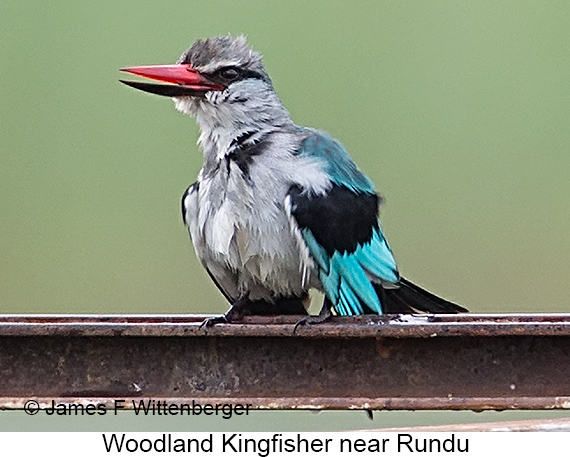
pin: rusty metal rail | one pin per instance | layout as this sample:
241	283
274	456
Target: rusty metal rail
472	361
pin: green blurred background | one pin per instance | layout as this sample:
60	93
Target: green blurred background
458	110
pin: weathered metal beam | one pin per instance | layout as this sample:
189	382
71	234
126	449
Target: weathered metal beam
369	362
533	425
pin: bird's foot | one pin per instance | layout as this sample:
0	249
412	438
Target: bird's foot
324	314
234	314
211	321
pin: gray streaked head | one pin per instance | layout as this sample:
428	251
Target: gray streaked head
211	55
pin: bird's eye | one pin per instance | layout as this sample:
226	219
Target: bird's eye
229	73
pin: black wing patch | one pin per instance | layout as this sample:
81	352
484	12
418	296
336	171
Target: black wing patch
340	220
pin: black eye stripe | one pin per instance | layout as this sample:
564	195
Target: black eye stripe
227	75
251	74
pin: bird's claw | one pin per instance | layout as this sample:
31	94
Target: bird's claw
235	313
323	315
211	321
302	321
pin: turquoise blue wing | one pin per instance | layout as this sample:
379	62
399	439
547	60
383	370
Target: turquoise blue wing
342	233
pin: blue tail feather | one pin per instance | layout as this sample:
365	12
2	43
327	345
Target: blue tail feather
377	259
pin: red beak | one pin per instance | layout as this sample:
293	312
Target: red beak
187	80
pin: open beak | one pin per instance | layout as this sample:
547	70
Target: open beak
183	79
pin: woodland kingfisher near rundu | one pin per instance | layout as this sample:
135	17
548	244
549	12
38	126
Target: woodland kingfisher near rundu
278	209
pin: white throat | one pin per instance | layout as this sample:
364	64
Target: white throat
248	106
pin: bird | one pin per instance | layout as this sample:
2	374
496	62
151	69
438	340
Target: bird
277	209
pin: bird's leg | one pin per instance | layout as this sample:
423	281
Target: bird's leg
235	313
323	315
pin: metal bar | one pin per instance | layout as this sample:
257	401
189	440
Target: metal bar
535	425
403	326
369	362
